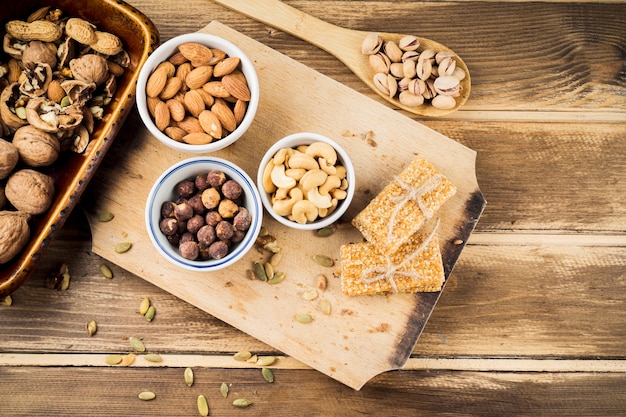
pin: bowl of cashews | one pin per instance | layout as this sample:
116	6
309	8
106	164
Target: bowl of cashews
306	181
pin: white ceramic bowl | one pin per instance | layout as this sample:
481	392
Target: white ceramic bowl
166	50
164	190
293	141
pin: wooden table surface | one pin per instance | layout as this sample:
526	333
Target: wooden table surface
533	318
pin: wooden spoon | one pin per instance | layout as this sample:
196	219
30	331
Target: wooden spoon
344	44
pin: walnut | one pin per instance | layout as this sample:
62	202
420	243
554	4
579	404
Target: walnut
8	158
36	79
14	234
36	148
90	68
9	99
30	191
39	52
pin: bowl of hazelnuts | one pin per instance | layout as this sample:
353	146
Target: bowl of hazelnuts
203	213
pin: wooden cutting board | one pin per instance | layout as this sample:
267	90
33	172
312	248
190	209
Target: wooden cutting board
363	336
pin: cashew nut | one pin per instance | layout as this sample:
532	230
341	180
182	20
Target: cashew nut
268	185
313	179
322	150
286	206
320	201
304	211
328	168
301	160
295	173
279	178
341	171
331	183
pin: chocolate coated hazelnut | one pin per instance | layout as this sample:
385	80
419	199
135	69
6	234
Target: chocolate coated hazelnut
189	250
224	230
216	178
195	223
168	226
201	182
206	235
211	198
195	201
218	250
242	220
212	218
185	188
227	209
183	211
231	189
167	209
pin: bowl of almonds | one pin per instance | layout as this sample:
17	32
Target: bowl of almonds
197	93
306	181
203	213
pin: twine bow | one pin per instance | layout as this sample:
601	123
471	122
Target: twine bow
387	274
412	194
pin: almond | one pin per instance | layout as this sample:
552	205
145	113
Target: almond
225	115
55	91
210	123
216	89
198	76
196	53
152	102
169	67
239	110
172	86
178	59
226	66
218	55
161	115
175	133
190	125
156	82
177	109
237	86
194	102
183	70
198	138
208	98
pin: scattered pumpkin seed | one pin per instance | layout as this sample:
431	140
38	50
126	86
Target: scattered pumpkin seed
128	359
147	395
92	327
252	359
188	375
268	375
224	390
325	306
259	271
20	112
326	231
263	231
113	359
123	247
150	313
144	306
323	260
106	271
310	294
203	406
277	278
269	270
272	247
65	101
266	360
242	356
105	216
65	282
321	282
153	357
275	259
304	318
242	402
136	344
7	301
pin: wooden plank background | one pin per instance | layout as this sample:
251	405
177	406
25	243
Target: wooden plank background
532	321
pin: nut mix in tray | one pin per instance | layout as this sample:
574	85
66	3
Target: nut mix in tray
57	75
398	255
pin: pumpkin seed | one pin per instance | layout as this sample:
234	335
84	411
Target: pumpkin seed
321	282
150	313
242	402
153	357
21	112
326	231
275	259
323	260
277	278
128	360
188	375
304	318
268	375
269	270
65	283
137	344
143	306
203	406
242	356
105	216
259	271
7	301
325	306
113	359
147	395
106	271
224	390
252	359
266	360
65	101
92	327
123	247
310	294
272	247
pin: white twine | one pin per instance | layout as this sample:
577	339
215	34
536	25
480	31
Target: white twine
415	194
387	274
